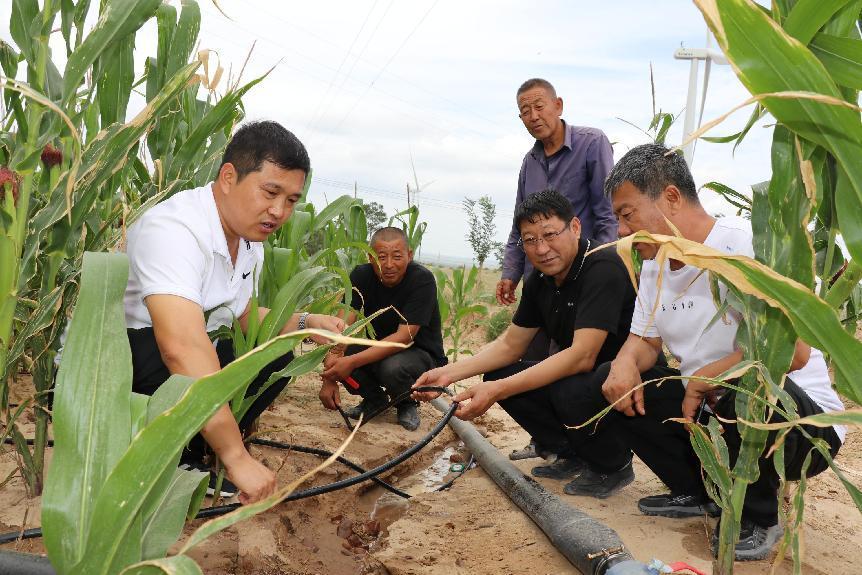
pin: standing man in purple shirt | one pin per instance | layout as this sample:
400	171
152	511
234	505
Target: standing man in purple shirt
574	160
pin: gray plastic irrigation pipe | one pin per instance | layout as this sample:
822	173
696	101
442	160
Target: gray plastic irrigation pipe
593	548
24	564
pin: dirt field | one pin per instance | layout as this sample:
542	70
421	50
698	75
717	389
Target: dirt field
470	528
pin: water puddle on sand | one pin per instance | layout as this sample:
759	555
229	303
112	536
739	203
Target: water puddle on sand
389	507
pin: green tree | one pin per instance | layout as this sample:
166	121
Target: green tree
481	227
375	216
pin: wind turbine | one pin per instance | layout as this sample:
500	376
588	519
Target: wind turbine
695	55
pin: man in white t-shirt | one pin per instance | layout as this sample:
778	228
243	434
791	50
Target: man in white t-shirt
194	260
651	189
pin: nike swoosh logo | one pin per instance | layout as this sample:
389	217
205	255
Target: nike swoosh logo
245	275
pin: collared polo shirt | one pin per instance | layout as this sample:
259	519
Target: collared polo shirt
597	295
178	247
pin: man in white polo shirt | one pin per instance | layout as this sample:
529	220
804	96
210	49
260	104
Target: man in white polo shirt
650	187
193	265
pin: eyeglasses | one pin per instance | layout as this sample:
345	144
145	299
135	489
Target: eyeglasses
533	243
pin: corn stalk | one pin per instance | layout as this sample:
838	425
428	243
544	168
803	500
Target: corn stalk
813	47
460	301
83	174
114	499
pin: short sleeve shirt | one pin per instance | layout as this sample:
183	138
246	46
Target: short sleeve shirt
415	298
178	247
597	295
683	312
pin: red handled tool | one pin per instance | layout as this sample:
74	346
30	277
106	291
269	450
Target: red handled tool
351	382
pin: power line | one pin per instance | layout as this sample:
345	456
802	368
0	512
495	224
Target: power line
389	61
279	69
402	79
313	118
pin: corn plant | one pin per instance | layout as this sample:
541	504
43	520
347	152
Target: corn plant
460	301
801	61
79	172
114	500
409	222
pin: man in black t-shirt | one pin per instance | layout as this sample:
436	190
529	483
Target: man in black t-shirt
392	279
584	301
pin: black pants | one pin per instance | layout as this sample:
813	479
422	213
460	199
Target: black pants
761	498
150	372
666	449
393	375
546	411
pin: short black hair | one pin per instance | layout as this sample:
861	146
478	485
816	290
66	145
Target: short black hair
258	142
536	83
547	203
651	168
389	234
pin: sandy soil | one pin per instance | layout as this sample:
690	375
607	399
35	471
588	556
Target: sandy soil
471	528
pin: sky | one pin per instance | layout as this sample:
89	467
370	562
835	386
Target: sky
390	92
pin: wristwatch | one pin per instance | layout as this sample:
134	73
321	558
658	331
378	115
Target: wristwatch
302	317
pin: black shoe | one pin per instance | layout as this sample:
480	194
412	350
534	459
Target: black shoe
366	407
408	415
228	489
755	542
676	506
562	468
598	484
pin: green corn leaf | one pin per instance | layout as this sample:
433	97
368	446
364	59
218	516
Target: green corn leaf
756	115
851	417
24	13
842	57
115	81
176	565
167	513
289	298
806	18
331	212
722	139
9	59
713	456
152	450
844	285
104	156
67	18
119	19
300	225
730	195
184	37
41	318
220	117
138	408
92	417
768	60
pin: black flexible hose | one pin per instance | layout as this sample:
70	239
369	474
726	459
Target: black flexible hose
325	453
16	535
334	486
314	491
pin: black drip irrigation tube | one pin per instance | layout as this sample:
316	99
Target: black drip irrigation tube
592	547
29	564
